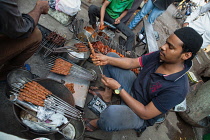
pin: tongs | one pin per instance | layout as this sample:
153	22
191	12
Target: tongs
65	49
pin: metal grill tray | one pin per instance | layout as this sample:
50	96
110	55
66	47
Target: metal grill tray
46	47
81	86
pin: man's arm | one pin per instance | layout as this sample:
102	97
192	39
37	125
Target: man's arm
102	12
41	7
125	63
145	112
117	20
16	25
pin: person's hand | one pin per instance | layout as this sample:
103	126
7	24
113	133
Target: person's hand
117	21
185	24
43	6
101	25
145	1
110	82
99	59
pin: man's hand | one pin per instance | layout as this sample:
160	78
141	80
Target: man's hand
43	5
101	25
110	82
117	21
185	24
100	59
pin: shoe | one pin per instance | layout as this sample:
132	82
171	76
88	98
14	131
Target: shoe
27	67
156	35
141	36
161	119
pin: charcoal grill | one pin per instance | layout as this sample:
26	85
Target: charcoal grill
57	89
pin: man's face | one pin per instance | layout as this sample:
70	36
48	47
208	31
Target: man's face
171	51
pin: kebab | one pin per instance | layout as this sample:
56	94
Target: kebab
104	49
61	67
70	86
81	47
93	53
34	93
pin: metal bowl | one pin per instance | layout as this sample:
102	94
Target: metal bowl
71	56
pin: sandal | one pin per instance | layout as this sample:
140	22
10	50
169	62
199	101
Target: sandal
89	126
118	31
97	89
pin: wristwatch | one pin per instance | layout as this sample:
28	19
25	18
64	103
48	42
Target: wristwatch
117	91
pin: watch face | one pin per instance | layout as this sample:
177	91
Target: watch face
117	91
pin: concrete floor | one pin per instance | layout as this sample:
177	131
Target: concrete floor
173	127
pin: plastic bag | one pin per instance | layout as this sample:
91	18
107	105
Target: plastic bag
70	7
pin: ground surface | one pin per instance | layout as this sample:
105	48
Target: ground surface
172	129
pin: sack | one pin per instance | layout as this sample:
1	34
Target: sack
70	7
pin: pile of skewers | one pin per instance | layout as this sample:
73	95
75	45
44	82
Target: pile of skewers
50	42
56	38
34	93
61	66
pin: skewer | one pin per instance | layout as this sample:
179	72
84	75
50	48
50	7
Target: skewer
72	117
59	105
43	43
47	52
61	51
61	109
91	48
66	103
94	55
101	70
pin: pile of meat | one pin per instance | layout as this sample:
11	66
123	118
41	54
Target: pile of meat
104	49
70	86
34	93
61	67
81	47
56	38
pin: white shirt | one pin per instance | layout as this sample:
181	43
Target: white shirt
199	20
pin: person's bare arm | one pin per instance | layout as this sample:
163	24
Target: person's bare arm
117	20
145	112
125	63
102	12
41	7
185	24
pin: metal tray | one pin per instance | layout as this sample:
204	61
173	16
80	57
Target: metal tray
81	87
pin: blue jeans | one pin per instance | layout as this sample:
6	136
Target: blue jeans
119	117
149	6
